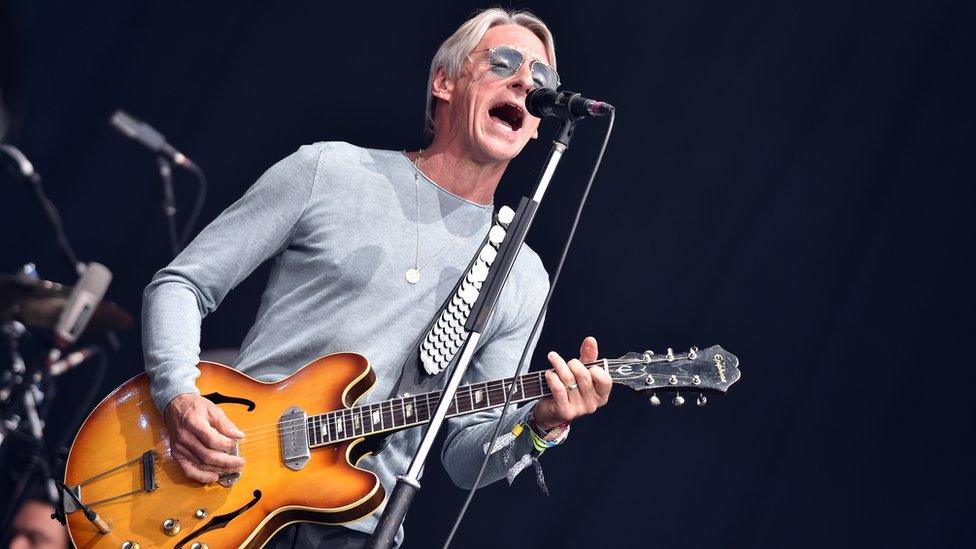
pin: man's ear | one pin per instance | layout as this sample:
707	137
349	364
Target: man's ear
443	85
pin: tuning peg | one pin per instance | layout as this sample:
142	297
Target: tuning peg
670	354
702	400
693	353
654	400
647	355
678	400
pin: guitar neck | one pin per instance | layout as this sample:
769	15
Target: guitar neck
410	411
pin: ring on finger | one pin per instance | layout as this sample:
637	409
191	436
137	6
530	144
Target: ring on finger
572	387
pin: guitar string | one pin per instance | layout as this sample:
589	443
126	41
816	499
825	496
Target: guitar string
468	392
347	419
261	457
397	416
469	387
610	361
494	390
363	414
266	432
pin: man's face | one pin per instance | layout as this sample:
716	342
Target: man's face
33	528
487	112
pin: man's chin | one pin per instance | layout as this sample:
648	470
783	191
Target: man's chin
501	148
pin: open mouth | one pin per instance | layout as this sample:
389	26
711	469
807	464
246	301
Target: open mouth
509	114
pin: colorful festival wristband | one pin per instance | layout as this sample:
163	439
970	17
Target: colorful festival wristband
542	439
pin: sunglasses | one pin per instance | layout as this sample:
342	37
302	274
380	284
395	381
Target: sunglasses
505	61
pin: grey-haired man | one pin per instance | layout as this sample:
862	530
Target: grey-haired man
366	244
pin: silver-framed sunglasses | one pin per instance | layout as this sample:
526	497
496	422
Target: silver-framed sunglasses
505	61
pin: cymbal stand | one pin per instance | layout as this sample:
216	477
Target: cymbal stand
29	394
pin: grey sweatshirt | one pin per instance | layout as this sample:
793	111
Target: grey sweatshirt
339	224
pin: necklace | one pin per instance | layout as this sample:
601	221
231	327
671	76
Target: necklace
413	274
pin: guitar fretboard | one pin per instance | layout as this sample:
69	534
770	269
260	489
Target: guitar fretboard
410	411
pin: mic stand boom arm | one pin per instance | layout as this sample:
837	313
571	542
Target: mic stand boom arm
408	484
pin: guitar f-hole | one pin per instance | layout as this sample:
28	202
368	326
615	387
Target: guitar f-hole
218	398
219	521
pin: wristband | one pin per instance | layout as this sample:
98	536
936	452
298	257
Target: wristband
542	439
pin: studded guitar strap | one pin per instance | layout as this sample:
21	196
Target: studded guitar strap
444	336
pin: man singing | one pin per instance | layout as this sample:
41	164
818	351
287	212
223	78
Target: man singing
365	246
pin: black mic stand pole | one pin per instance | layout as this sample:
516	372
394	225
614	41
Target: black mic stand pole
408	484
54	219
169	203
25	170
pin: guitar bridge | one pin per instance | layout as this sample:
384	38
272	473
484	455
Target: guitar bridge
149	471
229	479
295	451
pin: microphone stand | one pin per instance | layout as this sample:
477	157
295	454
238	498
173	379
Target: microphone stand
408	484
54	219
169	203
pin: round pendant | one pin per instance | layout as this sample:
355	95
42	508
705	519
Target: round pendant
412	276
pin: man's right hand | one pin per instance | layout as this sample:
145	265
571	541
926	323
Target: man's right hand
200	435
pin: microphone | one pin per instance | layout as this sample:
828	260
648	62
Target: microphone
23	166
548	103
150	138
82	301
72	359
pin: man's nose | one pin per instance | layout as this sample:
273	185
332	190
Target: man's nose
522	80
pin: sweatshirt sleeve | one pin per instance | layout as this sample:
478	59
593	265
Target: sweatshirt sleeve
467	435
256	227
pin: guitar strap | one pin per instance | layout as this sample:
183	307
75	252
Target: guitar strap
438	344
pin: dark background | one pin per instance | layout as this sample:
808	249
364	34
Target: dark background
792	180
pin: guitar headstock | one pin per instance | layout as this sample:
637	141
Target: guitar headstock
710	370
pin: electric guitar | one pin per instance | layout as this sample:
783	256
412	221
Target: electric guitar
304	436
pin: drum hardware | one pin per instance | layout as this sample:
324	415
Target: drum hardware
33	312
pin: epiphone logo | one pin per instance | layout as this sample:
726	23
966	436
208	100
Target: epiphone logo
720	366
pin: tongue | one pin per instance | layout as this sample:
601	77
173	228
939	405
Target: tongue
502	121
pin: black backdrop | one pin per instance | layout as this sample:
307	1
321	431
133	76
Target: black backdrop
792	180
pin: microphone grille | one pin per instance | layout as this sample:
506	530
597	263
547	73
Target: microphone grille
124	123
537	99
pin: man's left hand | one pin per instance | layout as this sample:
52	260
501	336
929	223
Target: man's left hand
576	390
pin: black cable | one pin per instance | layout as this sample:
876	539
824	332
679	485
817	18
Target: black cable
535	328
198	206
84	406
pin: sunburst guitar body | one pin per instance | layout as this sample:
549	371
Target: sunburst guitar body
108	463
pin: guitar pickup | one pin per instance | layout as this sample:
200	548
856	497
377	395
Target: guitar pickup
295	451
149	471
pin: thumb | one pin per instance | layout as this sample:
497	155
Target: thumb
223	424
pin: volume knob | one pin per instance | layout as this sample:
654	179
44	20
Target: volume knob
171	526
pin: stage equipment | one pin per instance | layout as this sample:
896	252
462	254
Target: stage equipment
303	436
28	387
408	483
166	156
145	134
548	103
38	304
565	134
26	171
